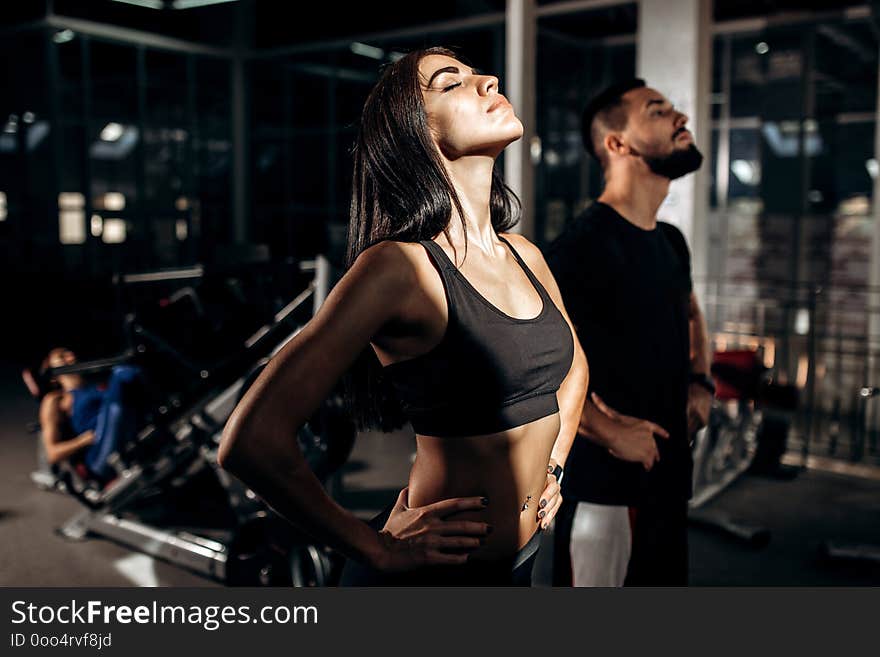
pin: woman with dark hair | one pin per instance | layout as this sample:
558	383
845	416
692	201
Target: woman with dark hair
84	423
444	320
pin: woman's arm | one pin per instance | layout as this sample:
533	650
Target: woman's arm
51	420
259	442
573	391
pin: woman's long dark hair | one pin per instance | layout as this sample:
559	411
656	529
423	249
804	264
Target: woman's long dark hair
401	191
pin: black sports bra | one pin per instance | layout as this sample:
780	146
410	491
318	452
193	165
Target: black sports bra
490	372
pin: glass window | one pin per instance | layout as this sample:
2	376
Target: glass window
69	55
845	99
114	82
209	211
796	135
566	177
744	178
306	110
167	90
30	210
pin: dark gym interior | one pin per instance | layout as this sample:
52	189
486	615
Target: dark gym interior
175	181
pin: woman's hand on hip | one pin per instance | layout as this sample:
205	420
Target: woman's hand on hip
550	500
421	536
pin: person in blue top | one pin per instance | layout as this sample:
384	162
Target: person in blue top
85	423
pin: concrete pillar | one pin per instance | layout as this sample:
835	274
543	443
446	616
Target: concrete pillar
674	56
323	282
519	87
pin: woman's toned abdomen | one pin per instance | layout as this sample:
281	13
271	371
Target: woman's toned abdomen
505	467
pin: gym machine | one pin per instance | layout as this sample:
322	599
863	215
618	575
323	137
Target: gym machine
170	499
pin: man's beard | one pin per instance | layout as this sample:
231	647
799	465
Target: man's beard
677	164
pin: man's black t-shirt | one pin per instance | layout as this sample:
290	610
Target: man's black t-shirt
627	292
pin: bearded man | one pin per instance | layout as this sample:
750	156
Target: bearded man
625	279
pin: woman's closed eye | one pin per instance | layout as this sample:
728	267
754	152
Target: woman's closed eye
451	87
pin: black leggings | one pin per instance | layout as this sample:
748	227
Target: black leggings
512	571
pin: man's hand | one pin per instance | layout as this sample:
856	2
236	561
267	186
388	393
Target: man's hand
698	407
633	438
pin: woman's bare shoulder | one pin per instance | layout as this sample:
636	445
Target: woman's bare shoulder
51	402
391	262
519	240
526	249
402	275
390	253
534	258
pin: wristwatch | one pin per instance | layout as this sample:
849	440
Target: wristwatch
558	472
703	380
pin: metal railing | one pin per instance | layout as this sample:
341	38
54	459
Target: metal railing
823	339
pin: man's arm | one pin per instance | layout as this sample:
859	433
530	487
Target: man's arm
699	401
701	356
627	438
699	397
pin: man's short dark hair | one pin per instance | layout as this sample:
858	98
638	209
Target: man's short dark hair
607	107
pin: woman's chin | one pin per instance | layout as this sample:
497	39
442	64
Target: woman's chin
515	135
513	132
518	129
508	133
491	147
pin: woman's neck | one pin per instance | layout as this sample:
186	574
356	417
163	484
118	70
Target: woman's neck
471	177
